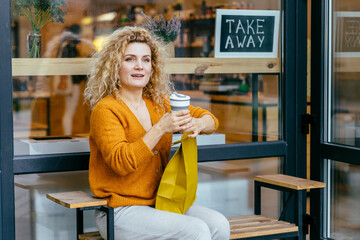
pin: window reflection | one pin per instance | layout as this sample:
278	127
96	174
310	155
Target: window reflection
345	112
50	107
344	197
230	98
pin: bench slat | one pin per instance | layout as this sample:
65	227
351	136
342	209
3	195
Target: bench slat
262	231
90	236
289	181
245	218
252	223
252	219
98	237
76	199
271	224
257	225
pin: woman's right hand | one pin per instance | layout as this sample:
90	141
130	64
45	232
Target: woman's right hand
171	122
177	121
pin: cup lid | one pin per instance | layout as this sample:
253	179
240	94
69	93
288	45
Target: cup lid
179	97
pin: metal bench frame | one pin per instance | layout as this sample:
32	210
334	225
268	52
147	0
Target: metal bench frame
109	220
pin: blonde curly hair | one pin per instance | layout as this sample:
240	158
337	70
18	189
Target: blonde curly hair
104	78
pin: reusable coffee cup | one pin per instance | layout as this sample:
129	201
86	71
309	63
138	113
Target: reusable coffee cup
179	102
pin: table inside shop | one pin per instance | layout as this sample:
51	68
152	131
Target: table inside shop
32	183
38	186
241	100
26	95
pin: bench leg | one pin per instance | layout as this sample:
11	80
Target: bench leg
79	222
257	198
300	195
110	223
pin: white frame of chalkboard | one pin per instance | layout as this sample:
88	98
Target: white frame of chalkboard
344	14
220	12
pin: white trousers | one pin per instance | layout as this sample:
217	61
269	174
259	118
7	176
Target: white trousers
146	222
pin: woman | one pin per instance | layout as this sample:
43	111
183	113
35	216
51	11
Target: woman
131	128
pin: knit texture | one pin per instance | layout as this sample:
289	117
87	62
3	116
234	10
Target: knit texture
122	168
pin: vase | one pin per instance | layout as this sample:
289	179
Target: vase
34	44
170	50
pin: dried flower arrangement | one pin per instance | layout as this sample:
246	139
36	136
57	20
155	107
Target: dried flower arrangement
166	30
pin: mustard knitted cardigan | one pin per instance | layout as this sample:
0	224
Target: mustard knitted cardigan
122	168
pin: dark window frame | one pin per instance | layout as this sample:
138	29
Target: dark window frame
7	202
321	150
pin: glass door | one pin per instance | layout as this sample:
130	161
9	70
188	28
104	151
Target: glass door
335	104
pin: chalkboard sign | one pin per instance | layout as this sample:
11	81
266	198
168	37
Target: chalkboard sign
347	34
246	33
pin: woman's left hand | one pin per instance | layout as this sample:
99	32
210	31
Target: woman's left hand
195	126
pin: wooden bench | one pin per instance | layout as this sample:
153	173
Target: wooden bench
295	186
82	201
242	227
260	227
249	227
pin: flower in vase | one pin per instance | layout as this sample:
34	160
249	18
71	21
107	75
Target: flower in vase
39	13
165	30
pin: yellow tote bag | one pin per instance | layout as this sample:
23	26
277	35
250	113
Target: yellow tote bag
177	189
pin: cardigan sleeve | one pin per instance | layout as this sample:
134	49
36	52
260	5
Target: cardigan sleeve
108	134
198	112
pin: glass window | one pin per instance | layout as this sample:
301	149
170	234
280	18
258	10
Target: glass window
228	186
50	67
344	99
345	185
36	217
